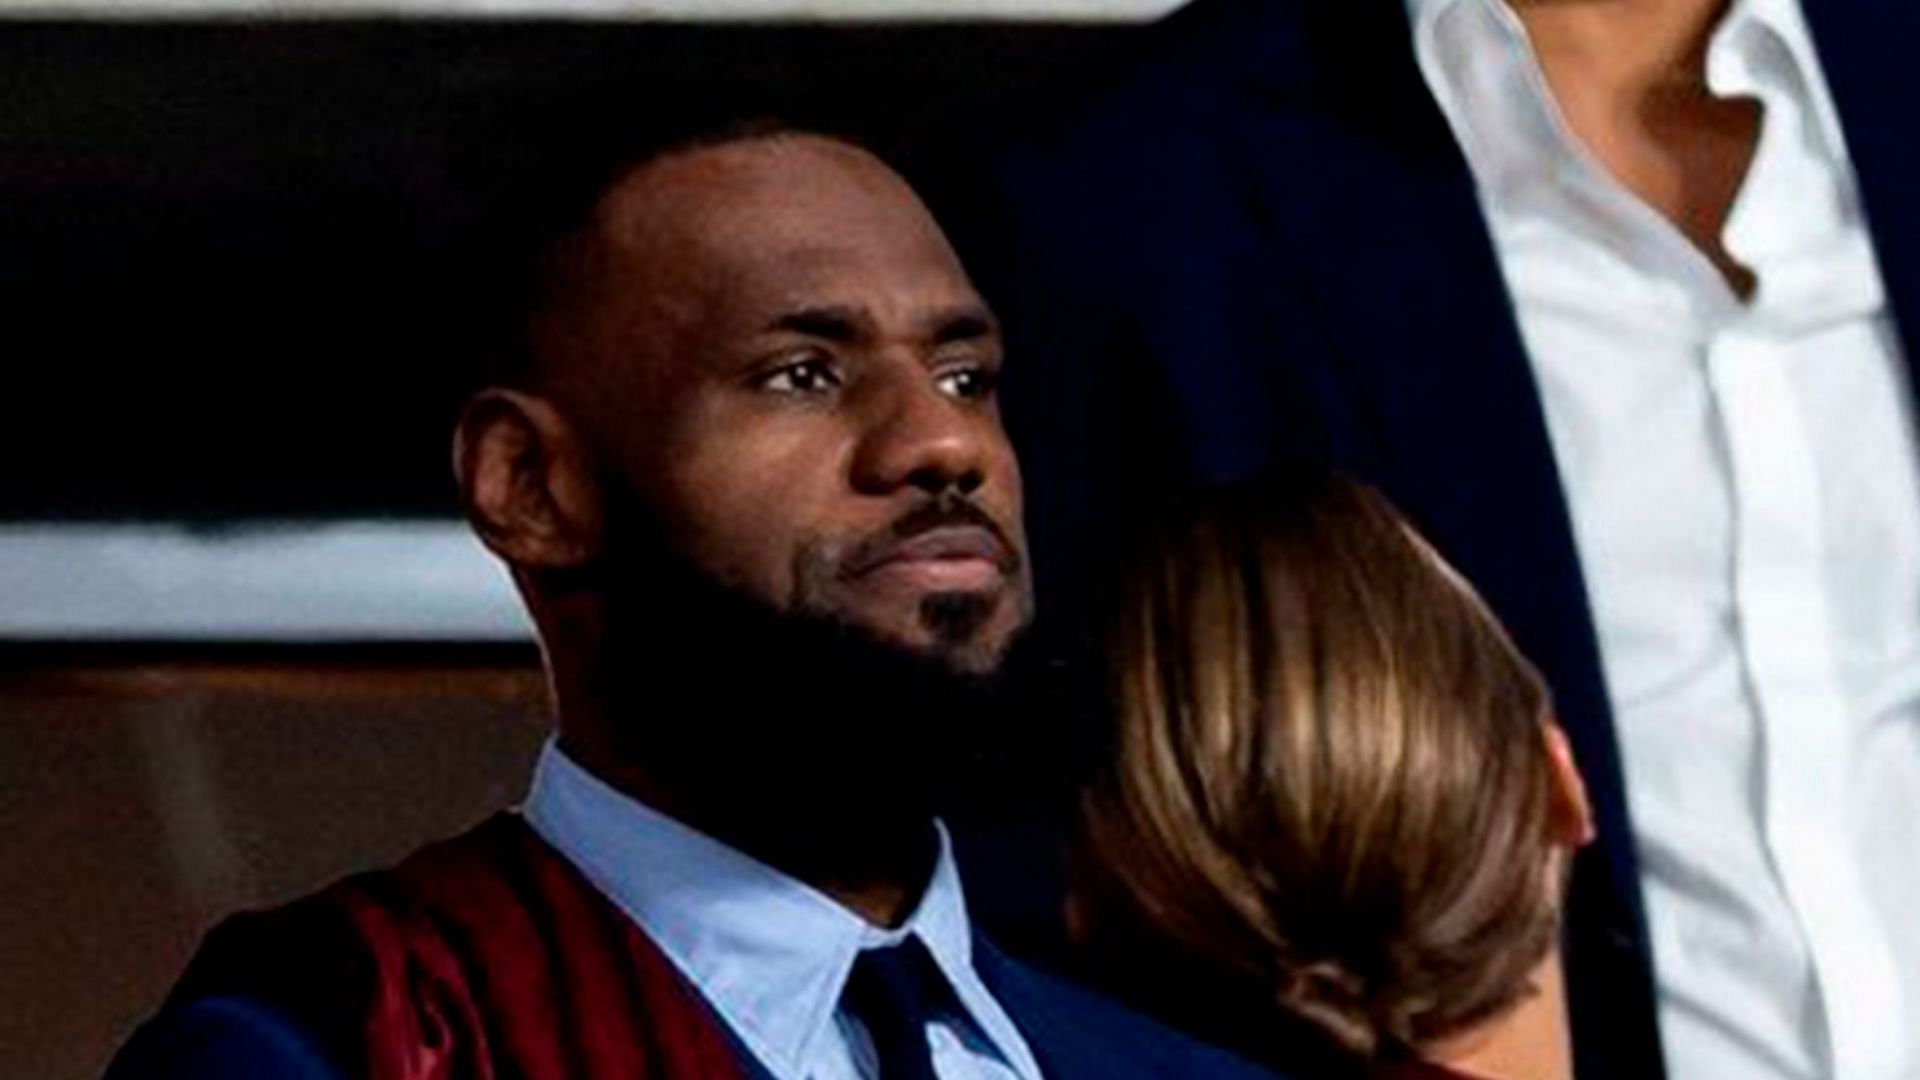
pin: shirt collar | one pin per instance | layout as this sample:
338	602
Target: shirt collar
1786	23
1420	10
1783	19
770	952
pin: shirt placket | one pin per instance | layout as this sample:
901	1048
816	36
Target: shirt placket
1785	640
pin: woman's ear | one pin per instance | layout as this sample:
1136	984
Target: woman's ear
527	481
1571	816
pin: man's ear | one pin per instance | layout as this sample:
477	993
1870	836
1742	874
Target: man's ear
1572	814
527	481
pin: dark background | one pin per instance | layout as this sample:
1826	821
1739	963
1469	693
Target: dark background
225	247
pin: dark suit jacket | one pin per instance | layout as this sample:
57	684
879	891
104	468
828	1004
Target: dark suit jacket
1074	1035
1264	246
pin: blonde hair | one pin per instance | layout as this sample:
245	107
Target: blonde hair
1331	783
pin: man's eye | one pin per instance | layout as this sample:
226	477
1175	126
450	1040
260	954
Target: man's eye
968	384
803	377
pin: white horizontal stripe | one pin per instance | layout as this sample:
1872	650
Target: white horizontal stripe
636	10
321	582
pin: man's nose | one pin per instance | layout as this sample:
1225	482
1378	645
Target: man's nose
916	436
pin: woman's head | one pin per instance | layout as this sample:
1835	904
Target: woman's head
1336	780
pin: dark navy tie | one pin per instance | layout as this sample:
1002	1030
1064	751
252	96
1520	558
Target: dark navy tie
894	991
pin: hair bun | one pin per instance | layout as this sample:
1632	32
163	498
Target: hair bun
1335	999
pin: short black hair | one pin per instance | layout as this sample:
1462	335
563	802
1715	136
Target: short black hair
502	252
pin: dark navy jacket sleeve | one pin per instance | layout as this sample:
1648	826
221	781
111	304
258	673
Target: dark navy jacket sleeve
222	1038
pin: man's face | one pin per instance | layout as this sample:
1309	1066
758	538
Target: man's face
787	367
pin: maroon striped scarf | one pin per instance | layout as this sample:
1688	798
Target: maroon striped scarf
484	956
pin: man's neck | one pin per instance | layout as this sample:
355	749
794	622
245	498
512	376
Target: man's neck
1625	49
1630	78
790	739
874	864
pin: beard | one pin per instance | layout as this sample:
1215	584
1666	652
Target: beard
957	623
757	718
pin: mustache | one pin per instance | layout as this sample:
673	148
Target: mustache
942	511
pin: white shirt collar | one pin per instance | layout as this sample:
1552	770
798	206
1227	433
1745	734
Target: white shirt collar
770	952
1783	19
1479	63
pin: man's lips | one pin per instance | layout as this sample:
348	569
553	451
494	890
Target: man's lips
946	557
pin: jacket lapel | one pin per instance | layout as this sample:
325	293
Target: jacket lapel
1865	48
1074	1033
1383	227
1370	205
1056	1046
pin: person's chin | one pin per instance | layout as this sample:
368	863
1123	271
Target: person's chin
964	629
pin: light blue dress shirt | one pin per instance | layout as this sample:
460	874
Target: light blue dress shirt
769	952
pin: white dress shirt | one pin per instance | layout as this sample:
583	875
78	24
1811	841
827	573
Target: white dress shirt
769	953
1744	493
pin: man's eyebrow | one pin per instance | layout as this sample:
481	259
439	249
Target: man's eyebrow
846	324
842	325
962	324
